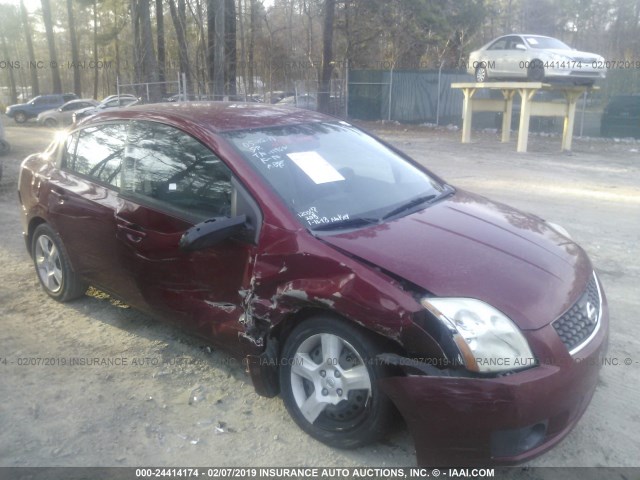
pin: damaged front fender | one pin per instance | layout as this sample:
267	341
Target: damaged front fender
296	273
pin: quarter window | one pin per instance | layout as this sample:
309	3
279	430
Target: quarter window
167	167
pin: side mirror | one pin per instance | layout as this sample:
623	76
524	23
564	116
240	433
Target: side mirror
211	232
520	46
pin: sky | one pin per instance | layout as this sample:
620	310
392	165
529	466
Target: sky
30	4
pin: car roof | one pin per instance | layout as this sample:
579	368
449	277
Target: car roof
215	116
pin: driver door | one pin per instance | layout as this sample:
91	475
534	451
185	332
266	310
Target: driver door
171	182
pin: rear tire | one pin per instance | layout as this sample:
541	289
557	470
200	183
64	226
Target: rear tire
329	383
481	73
52	266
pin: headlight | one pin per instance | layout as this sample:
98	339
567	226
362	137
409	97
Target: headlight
487	339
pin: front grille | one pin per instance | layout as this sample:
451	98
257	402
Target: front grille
577	325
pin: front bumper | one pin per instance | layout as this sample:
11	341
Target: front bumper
507	420
575	74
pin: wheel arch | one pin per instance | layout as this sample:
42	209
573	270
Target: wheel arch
264	368
34	223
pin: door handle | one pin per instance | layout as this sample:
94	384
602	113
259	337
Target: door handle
133	232
60	195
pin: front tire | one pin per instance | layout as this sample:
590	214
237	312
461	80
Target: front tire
20	117
536	71
51	123
4	147
52	266
329	383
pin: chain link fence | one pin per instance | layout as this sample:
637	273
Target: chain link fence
412	97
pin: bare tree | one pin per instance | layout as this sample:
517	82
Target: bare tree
8	23
253	24
178	15
230	53
33	72
95	48
324	91
75	58
144	57
161	44
53	57
216	46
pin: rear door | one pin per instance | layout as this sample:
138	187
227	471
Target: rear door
171	181
83	197
495	56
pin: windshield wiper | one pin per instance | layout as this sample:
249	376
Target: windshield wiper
410	204
346	223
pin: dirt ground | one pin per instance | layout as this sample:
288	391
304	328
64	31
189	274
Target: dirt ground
176	402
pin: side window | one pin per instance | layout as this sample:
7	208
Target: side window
500	44
513	41
98	153
169	168
70	150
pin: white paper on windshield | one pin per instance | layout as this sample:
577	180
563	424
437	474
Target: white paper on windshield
532	41
316	167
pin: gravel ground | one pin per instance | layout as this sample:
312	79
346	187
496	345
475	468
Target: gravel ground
176	402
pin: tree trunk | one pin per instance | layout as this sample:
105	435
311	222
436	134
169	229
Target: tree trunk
116	43
161	46
149	62
324	92
53	57
219	47
177	15
95	49
35	85
201	51
211	44
137	46
230	58
75	58
12	81
253	14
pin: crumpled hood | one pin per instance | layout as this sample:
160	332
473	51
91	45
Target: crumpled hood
468	246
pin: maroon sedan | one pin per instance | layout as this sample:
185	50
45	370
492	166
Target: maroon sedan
351	280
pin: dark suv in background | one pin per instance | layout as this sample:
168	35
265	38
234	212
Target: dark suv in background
24	111
621	117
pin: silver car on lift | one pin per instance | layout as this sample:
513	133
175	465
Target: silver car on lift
534	58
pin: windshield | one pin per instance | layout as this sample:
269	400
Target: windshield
332	175
546	43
